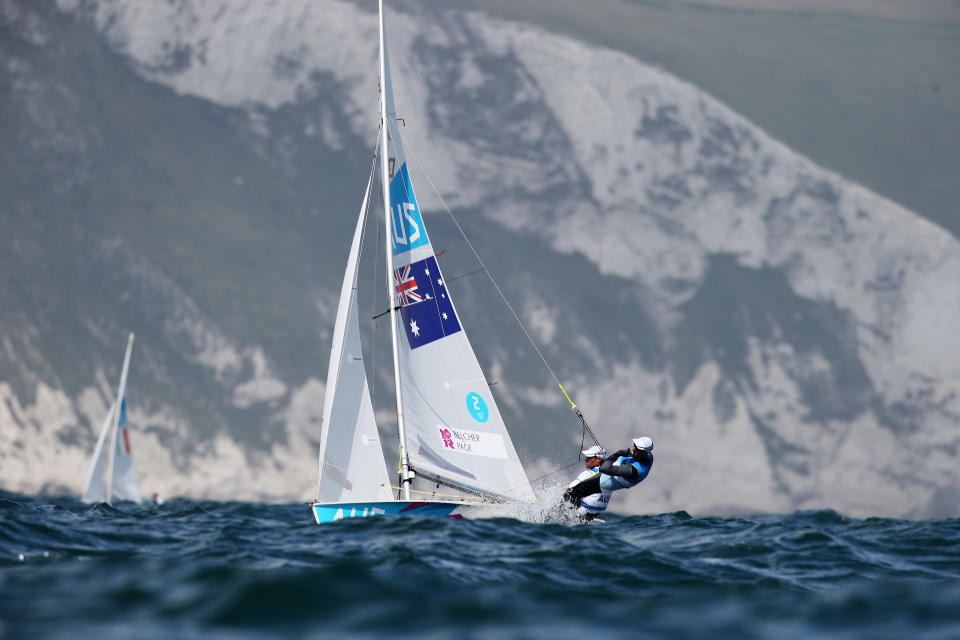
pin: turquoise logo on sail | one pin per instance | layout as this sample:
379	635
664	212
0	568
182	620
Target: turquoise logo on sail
477	407
408	230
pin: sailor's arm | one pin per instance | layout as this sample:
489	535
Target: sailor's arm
623	470
585	475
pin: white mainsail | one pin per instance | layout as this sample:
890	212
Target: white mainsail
352	466
125	485
451	427
112	473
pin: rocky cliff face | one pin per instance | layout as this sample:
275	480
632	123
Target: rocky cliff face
191	171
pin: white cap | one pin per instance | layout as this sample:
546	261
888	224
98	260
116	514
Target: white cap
596	451
644	443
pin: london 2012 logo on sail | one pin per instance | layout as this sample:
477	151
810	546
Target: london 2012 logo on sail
408	230
447	440
474	443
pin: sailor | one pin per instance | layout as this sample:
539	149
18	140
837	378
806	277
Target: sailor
590	506
624	469
620	470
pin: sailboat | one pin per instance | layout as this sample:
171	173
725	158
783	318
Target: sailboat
112	475
456	456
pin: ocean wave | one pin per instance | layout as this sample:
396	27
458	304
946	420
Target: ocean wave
190	569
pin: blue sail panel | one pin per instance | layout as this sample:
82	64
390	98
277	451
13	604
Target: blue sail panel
408	230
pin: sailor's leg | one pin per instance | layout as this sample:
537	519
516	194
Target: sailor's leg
585	488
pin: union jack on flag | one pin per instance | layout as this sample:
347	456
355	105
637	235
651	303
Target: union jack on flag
406	287
433	318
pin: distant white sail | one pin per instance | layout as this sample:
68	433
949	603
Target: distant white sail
453	426
125	484
95	488
352	465
112	473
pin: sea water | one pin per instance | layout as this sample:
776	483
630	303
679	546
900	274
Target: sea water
239	570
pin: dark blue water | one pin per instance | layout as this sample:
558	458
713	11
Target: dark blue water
236	570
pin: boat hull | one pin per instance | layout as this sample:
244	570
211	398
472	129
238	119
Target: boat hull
333	511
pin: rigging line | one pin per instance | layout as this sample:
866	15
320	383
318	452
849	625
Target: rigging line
469	500
576	410
464	275
366	212
553	473
546	475
383	313
373	325
502	296
373	287
398	307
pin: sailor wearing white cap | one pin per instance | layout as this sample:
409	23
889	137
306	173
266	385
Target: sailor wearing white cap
624	469
596	451
589	506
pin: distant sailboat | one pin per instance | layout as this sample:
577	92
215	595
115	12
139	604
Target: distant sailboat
112	474
456	455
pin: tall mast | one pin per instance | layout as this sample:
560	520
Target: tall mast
387	220
108	494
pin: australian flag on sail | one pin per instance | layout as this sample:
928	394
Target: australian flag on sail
425	308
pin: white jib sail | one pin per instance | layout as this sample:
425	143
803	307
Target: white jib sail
112	467
112	474
95	489
453	428
352	467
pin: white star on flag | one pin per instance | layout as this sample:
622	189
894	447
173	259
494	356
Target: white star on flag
414	328
440	282
426	270
444	316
